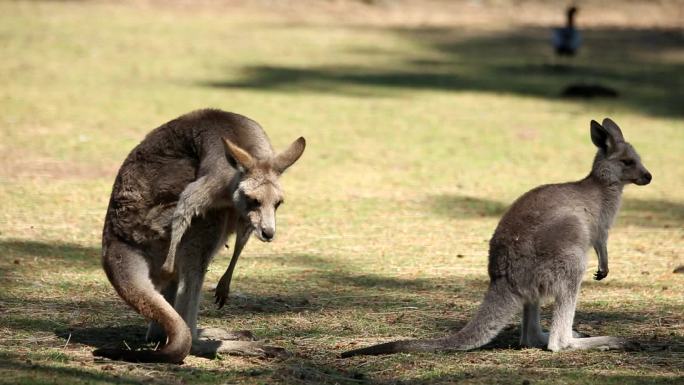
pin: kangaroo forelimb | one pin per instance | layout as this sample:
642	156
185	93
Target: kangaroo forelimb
194	200
223	287
602	253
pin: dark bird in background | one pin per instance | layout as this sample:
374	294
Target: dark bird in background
566	41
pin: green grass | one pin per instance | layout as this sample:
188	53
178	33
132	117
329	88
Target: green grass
421	131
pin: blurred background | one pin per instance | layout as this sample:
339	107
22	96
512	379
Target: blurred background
424	121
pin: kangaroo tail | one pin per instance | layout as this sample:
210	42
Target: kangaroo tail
128	272
498	306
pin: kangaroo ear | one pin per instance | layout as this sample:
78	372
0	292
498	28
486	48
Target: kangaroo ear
599	135
237	157
286	158
605	137
613	130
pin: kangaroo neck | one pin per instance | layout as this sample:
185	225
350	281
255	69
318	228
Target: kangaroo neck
234	184
610	198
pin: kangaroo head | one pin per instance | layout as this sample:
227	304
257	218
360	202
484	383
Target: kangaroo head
258	193
616	161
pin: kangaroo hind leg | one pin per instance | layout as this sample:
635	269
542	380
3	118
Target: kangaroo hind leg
201	242
532	334
129	272
155	332
562	336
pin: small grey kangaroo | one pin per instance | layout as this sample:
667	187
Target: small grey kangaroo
538	251
177	197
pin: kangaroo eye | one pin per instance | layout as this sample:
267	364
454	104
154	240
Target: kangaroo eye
627	162
252	203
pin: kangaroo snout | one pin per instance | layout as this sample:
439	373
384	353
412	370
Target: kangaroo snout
645	179
267	234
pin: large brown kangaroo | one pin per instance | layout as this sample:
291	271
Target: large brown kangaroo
538	251
178	195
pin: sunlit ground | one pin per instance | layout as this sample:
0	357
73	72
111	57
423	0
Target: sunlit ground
423	124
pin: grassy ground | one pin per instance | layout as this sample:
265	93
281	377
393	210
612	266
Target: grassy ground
424	121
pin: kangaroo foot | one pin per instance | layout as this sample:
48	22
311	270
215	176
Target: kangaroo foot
542	340
225	335
596	343
213	341
576	334
211	348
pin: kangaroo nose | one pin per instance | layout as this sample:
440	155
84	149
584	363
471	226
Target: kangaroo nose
648	176
267	234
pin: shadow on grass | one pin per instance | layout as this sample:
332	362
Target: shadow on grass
69	252
318	295
466	207
24	371
492	374
628	60
310	371
299	370
509	337
439	307
634	212
108	336
652	213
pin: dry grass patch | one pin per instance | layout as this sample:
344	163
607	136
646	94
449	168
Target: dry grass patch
425	120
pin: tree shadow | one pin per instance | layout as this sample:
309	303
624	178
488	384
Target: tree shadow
490	374
516	62
68	252
305	370
107	336
459	206
318	294
26	370
653	213
334	290
297	370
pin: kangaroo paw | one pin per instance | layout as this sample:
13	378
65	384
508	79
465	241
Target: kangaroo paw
222	291
168	268
600	274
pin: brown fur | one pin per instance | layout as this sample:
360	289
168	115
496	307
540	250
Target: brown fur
187	186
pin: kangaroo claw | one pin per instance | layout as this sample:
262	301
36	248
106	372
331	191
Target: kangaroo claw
220	299
599	275
221	293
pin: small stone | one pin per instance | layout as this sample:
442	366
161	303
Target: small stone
679	269
526	382
16	261
460	255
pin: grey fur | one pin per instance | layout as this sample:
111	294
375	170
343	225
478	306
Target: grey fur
538	251
177	197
